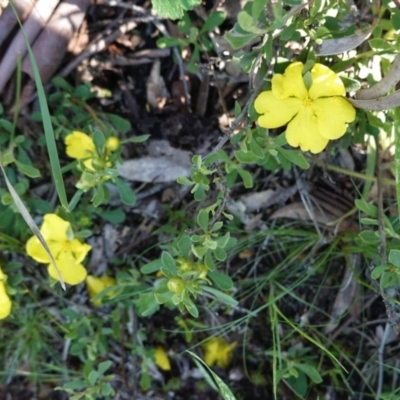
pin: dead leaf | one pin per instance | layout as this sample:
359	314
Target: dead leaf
345	297
330	47
257	201
297	211
156	91
155	168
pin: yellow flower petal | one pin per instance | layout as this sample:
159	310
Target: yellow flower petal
71	271
275	112
332	115
68	252
35	250
303	131
79	249
218	351
55	232
290	84
161	359
5	301
325	83
55	228
96	285
79	145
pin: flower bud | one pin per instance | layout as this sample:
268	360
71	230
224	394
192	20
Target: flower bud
112	143
176	285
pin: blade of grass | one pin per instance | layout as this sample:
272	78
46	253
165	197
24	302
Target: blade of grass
306	336
396	128
223	389
29	220
48	127
276	344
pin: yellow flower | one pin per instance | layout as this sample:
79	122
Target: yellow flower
80	146
67	251
218	351
5	302
96	285
315	115
161	359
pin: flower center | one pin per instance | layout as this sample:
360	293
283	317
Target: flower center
307	102
66	246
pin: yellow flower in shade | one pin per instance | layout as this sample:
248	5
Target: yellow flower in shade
161	359
5	302
67	251
218	351
315	115
80	146
96	285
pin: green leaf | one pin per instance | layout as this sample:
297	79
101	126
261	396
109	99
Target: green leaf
394	257
294	156
104	366
116	216
163	295
126	194
122	125
208	261
191	307
182	180
228	300
395	18
351	85
93	377
237	40
151	267
75	385
136	139
173	9
98	139
379	44
98	195
223	281
257	8
168	41
246	177
288	32
27	170
377	271
183	245
169	263
220	254
248	24
146	304
199	251
199	193
203	219
245	158
367	208
310	371
387	280
369	237
216	18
